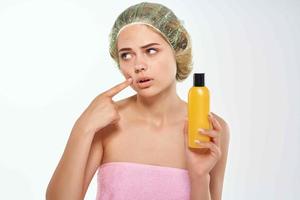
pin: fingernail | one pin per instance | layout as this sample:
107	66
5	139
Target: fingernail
197	141
201	130
130	79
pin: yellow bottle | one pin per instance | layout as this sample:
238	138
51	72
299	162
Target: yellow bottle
198	111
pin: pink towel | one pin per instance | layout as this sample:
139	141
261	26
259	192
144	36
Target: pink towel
136	181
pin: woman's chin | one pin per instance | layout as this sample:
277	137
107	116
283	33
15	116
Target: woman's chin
146	92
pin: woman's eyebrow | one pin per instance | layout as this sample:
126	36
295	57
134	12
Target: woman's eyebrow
143	47
148	45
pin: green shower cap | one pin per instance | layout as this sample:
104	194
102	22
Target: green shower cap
162	20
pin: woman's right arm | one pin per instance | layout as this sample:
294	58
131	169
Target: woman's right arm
67	180
83	151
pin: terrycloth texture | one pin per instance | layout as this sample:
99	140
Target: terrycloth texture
135	181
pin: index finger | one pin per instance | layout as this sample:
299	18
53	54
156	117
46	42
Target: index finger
118	88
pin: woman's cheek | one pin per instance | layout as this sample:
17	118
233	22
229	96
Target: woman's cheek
125	73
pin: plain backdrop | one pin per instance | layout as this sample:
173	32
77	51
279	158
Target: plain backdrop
54	61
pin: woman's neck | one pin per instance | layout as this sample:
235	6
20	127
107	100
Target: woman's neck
159	109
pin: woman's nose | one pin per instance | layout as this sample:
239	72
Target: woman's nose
139	63
140	67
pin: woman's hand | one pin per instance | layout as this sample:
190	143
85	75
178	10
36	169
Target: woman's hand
102	111
201	161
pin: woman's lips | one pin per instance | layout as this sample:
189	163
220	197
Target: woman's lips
145	84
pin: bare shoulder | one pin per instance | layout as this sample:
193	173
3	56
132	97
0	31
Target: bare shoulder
224	134
223	123
125	103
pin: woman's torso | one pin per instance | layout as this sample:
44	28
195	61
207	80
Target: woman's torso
144	149
134	140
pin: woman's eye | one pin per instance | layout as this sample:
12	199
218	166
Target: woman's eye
151	51
125	56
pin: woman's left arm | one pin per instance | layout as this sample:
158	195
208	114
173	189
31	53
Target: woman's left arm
207	166
218	172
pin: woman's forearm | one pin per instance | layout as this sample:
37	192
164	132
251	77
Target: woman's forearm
67	180
200	188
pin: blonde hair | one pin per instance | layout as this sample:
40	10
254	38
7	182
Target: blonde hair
163	21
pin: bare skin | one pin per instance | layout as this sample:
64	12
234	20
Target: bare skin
83	151
157	144
108	131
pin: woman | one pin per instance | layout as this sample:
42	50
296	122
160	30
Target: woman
139	143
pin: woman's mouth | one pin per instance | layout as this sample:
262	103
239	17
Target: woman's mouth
145	83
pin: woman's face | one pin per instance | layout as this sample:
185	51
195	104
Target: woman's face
143	53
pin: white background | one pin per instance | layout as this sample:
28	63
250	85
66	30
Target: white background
54	60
